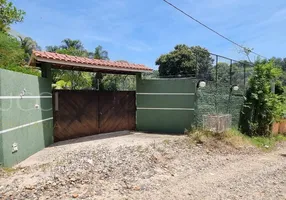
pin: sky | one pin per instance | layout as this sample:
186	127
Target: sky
140	31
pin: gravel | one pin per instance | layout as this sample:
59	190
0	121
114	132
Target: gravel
142	166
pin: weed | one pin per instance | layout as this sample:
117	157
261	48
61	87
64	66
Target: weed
166	142
9	170
234	138
266	142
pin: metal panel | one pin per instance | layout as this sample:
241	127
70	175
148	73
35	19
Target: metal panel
164	121
166	101
165	86
165	105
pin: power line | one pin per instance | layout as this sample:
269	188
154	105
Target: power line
233	42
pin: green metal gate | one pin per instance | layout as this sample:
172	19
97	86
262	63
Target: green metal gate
165	105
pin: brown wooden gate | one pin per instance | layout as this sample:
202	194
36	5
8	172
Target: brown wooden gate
79	113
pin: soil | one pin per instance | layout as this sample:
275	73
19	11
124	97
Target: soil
147	166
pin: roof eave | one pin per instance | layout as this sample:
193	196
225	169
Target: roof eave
60	62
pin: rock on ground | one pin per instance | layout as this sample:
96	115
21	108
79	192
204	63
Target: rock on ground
143	166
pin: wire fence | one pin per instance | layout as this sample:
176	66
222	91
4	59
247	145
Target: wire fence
226	83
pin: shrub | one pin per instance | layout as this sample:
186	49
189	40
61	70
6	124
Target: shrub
262	106
11	53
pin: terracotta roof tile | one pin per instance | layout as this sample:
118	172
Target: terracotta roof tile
93	63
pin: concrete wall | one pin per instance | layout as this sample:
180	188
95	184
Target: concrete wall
21	123
165	105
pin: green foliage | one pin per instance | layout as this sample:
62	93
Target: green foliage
101	54
185	61
233	138
111	82
52	48
23	69
236	74
262	106
266	142
72	79
154	74
72	44
61	84
64	79
11	53
9	14
77	80
28	45
73	52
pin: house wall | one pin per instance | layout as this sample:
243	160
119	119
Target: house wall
21	123
165	105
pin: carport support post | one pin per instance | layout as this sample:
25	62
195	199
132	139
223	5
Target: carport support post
46	90
138	81
46	70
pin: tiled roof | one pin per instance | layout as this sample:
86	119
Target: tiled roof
68	60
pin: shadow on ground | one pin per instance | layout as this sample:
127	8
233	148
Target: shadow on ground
103	136
92	138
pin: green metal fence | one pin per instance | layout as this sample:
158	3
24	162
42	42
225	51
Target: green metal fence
165	105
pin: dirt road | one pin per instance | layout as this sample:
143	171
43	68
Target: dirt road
142	166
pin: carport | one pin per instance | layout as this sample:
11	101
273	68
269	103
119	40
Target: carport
78	113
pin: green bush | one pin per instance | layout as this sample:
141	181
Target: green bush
11	53
262	106
23	69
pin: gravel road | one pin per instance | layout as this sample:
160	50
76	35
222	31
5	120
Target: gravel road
147	166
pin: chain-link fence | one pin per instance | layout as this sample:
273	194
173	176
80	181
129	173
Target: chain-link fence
226	82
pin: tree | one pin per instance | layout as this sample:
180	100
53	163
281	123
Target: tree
154	74
69	43
282	63
52	48
204	62
73	52
185	61
112	82
9	14
101	54
12	55
28	45
74	79
71	79
11	52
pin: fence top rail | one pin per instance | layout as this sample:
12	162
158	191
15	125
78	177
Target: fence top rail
243	62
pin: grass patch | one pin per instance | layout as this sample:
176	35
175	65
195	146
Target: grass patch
8	170
266	142
233	138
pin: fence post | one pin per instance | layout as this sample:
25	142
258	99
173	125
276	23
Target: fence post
230	88
216	83
244	73
230	72
197	66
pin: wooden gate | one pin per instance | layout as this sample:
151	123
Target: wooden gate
86	112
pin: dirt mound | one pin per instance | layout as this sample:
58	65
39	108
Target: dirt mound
131	172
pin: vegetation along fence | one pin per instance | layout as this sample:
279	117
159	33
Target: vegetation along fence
226	83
